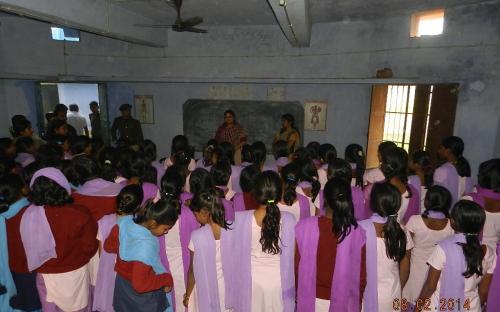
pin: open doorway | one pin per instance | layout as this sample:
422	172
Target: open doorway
81	94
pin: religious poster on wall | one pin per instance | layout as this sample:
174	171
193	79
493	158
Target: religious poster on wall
315	115
144	109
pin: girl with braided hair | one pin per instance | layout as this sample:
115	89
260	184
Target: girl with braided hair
263	242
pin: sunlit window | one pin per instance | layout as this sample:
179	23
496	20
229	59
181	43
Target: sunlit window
428	23
399	114
65	34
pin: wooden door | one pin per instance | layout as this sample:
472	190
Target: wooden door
376	126
442	116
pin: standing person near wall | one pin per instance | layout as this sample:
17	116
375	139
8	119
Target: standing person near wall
95	120
231	131
128	128
60	113
76	120
288	133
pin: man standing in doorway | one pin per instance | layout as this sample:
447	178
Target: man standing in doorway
95	120
76	120
128	128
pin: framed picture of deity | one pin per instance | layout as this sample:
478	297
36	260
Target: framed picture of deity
315	115
144	109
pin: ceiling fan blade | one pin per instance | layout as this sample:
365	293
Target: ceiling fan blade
195	30
193	21
153	25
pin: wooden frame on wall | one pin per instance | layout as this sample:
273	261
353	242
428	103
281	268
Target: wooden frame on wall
144	108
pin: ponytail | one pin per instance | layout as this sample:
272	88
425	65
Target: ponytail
339	199
385	200
309	173
394	239
354	155
258	153
469	219
438	199
164	211
107	161
462	166
327	153
290	177
268	191
270	233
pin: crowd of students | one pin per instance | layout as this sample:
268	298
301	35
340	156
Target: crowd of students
88	227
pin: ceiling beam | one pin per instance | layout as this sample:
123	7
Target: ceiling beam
101	17
294	20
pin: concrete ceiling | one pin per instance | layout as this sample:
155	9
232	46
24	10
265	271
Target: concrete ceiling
258	12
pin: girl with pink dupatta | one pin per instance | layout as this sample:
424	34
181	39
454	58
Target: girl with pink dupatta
262	242
460	269
180	144
341	169
455	173
388	245
487	195
394	167
330	256
210	256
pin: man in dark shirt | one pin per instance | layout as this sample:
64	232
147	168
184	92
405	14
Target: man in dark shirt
129	129
95	120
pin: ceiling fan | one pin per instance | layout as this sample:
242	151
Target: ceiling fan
181	25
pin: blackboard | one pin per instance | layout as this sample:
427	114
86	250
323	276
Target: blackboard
261	119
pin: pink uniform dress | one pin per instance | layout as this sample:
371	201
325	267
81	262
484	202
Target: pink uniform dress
294	209
322	175
424	240
438	261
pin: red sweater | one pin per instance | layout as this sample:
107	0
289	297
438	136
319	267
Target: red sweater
17	256
325	260
250	202
75	235
142	277
99	206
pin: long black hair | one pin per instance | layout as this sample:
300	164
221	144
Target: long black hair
489	175
309	173
280	149
148	148
179	143
129	199
423	159
468	218
221	172
354	154
247	178
11	186
385	200
200	180
172	183
327	153
268	190
86	169
456	146
313	148
395	164
133	165
290	176
338	198
437	198
225	151
246	153
163	212
108	159
210	200
259	153
339	169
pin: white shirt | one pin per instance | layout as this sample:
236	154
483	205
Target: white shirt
78	122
